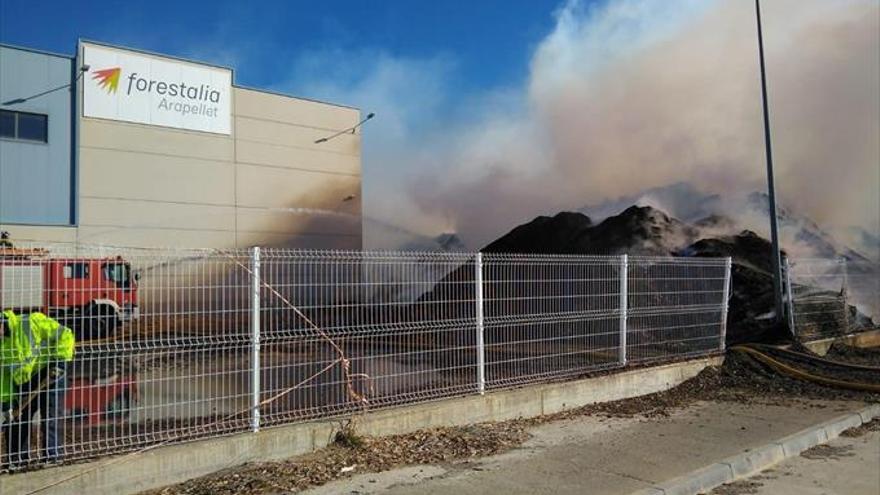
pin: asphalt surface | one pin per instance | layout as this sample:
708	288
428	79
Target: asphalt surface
843	466
605	456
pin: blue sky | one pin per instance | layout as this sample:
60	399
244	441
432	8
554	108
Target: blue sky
488	41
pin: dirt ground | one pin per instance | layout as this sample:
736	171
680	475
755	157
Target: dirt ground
740	379
854	355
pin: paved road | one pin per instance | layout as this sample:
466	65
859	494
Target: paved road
587	455
844	466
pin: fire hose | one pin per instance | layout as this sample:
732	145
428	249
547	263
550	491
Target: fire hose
793	372
816	359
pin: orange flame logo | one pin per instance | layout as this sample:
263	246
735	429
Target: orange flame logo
108	78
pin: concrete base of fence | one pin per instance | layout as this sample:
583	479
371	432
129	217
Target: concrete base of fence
126	474
869	338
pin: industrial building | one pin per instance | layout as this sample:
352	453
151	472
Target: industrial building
139	149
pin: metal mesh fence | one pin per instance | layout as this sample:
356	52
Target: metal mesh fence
863	293
173	345
676	307
549	316
832	297
403	323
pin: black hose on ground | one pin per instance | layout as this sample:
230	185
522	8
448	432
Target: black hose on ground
804	375
813	358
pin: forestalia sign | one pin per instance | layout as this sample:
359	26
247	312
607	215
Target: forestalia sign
148	89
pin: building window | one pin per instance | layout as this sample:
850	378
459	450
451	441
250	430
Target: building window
7	124
76	270
24	126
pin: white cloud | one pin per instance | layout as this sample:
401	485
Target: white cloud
622	97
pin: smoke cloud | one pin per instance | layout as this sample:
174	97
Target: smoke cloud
630	95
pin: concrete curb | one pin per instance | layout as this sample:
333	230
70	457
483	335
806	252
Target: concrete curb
755	460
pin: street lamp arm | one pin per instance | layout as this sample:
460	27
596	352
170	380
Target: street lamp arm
346	131
17	101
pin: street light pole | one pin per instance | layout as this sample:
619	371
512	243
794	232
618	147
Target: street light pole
771	188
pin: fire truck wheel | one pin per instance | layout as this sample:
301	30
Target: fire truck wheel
99	320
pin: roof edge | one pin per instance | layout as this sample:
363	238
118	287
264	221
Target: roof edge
295	97
151	53
36	50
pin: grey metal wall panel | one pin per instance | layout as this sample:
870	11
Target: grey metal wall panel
35	178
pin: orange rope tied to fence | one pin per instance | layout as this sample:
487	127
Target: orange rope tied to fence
346	363
342	359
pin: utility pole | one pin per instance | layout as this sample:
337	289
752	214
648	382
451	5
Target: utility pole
771	188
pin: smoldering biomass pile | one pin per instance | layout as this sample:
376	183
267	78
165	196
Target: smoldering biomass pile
643	230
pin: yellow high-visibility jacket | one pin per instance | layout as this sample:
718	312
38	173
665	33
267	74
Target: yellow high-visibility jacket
28	346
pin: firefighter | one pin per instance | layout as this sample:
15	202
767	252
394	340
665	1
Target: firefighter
34	350
5	243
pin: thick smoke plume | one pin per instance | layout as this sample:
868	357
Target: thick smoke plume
637	94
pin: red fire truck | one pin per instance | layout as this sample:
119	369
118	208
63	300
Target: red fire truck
92	296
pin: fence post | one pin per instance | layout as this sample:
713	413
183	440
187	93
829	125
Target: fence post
789	294
481	345
725	303
255	338
845	292
624	282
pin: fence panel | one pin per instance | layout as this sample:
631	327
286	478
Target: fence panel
832	297
550	316
174	345
677	307
162	351
403	322
863	293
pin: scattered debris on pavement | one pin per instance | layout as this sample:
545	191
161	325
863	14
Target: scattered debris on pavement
438	445
743	487
859	431
826	451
